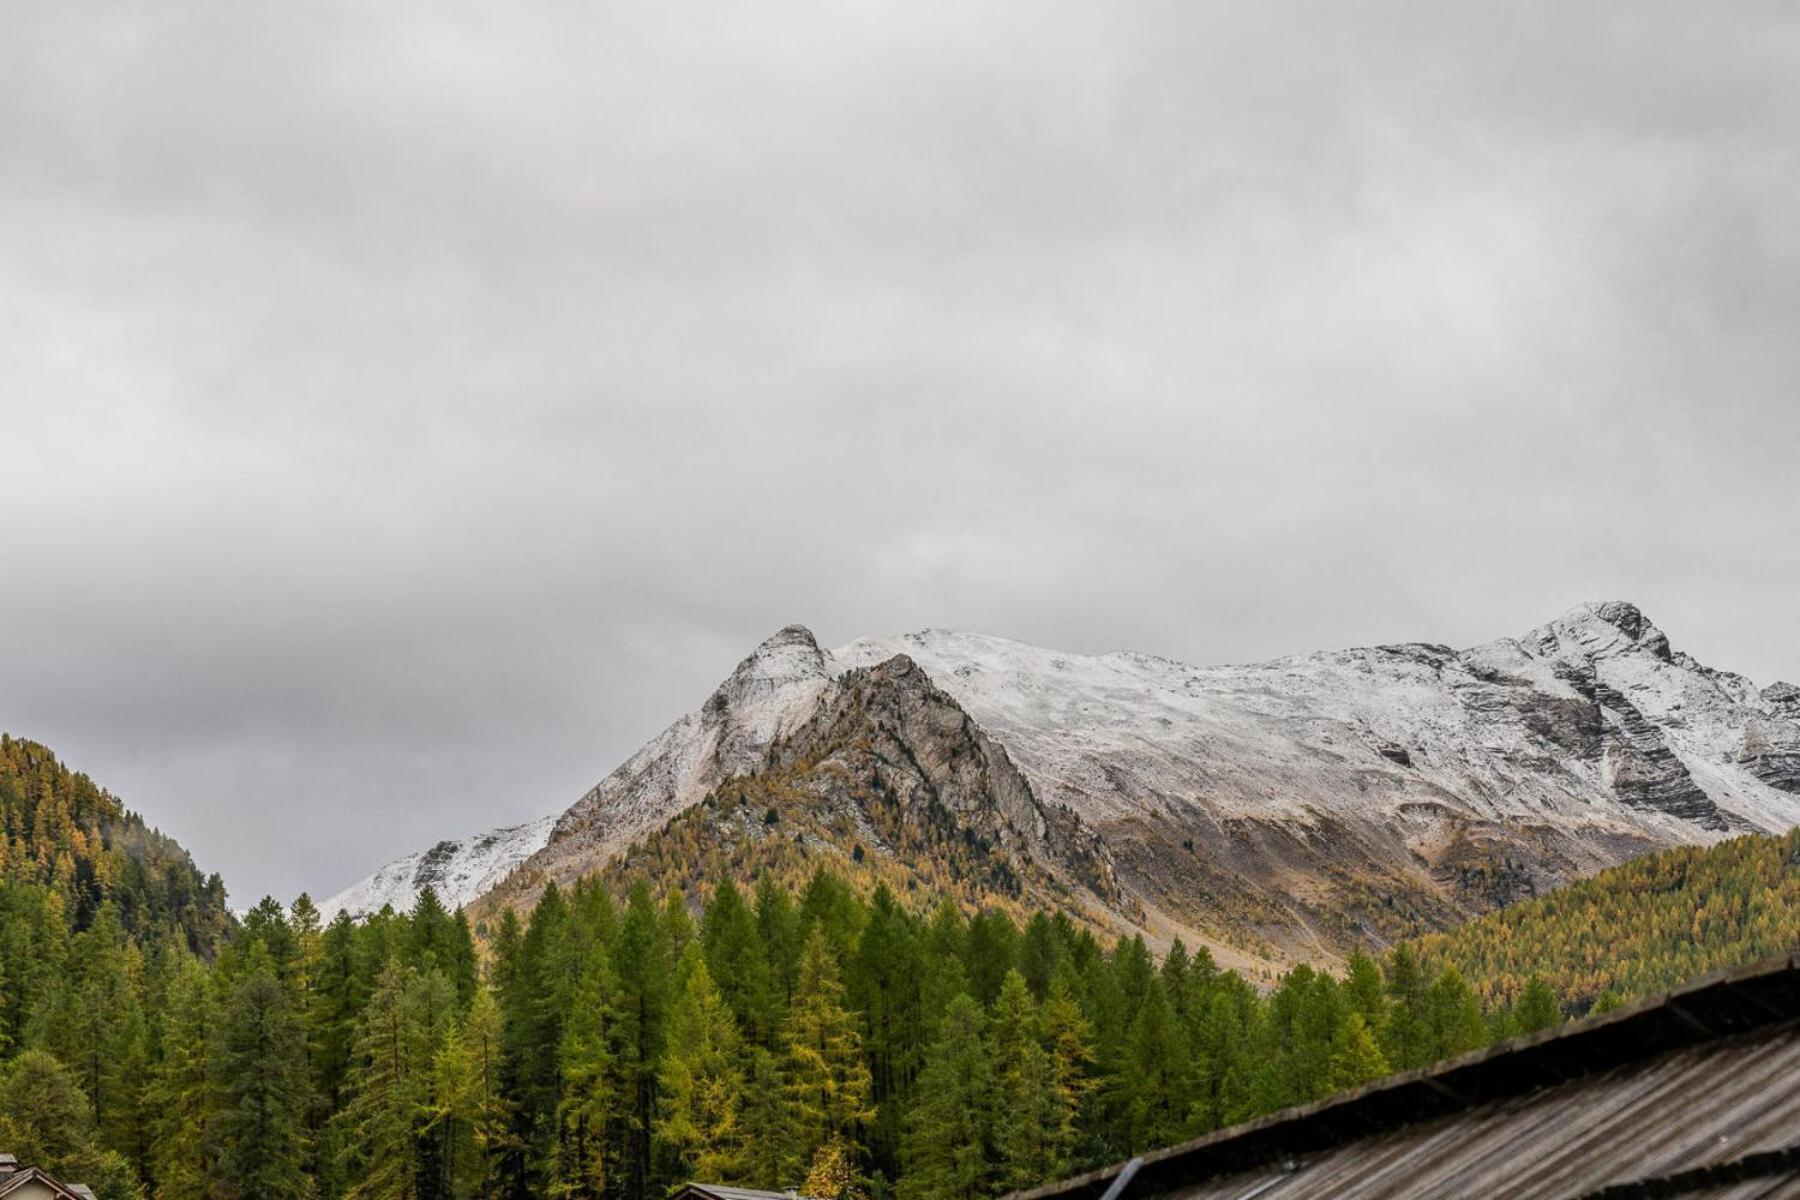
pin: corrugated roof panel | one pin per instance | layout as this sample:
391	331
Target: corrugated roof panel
1693	1109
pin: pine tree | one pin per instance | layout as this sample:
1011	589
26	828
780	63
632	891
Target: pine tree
1155	1097
641	965
1365	991
1453	1016
1406	1038
988	954
46	1120
739	963
883	981
591	1088
264	1093
771	1161
702	1085
828	1080
1027	1134
834	1174
947	1147
1068	1039
828	904
1355	1056
183	1091
945	942
535	998
1040	954
1537	1008
779	926
338	996
468	1114
1221	1041
430	1007
380	1119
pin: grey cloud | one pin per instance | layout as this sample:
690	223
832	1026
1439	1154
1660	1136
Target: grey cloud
409	408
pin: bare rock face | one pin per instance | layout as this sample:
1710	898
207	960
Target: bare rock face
1783	700
770	693
886	736
1639	766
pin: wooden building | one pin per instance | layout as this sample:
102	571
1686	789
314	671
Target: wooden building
713	1191
1695	1095
28	1183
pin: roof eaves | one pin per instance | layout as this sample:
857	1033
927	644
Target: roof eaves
1714	1006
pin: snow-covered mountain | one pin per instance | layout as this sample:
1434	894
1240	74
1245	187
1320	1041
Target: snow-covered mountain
458	871
1286	808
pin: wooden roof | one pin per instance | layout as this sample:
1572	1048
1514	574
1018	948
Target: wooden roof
1695	1094
15	1181
714	1191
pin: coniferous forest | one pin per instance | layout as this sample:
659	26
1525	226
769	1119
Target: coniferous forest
613	1045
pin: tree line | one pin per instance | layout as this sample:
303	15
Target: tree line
1637	929
612	1044
614	1047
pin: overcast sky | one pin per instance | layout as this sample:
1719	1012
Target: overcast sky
406	409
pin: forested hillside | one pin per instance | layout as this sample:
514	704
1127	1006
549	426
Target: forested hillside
1639	928
806	1034
612	1048
89	897
69	844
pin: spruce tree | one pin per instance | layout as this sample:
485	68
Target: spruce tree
947	1147
828	1080
264	1091
183	1090
771	1161
641	967
1028	1129
468	1118
378	1123
1406	1039
739	963
1453	1017
1537	1008
701	1082
592	1094
1068	1039
1156	1099
1356	1057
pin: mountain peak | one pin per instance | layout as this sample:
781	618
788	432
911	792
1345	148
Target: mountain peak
1603	628
787	635
789	656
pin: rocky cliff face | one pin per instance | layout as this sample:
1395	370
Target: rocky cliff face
888	778
1282	810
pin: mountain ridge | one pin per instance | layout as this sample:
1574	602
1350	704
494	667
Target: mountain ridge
1299	806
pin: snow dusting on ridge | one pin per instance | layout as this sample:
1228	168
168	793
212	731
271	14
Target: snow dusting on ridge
1590	726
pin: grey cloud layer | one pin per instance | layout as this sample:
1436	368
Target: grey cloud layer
408	408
